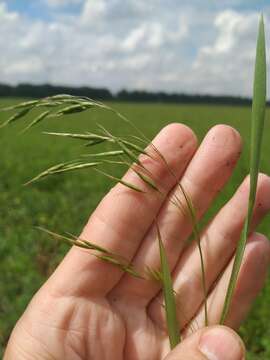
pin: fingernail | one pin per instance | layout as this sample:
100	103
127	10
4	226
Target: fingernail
220	343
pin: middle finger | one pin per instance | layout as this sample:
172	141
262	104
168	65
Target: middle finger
206	174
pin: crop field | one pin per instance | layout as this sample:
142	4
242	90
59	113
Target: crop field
63	203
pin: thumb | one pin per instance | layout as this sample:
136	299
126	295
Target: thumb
211	343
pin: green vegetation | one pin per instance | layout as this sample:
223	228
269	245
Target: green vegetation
257	129
169	296
63	203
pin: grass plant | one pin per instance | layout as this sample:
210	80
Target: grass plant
126	150
257	127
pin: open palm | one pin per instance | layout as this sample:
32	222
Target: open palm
90	309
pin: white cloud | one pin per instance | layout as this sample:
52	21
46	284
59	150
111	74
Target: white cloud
132	44
146	35
153	36
226	66
93	10
7	16
231	27
134	38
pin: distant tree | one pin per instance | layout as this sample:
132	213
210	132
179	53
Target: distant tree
39	91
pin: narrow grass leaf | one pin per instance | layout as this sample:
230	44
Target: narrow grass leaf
69	110
16	117
196	232
105	154
22	105
61	168
122	146
257	125
121	181
170	302
95	142
130	154
72	239
123	266
39	118
48	104
135	147
76	166
102	254
88	136
61	97
147	180
45	173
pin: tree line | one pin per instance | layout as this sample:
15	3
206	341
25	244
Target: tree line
39	91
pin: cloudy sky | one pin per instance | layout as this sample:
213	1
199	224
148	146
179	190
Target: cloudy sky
194	46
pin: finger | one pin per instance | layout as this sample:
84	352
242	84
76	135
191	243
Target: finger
218	244
250	281
219	343
124	215
219	152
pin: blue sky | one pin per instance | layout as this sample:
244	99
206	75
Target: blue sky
42	9
190	46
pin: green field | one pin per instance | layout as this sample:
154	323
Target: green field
64	203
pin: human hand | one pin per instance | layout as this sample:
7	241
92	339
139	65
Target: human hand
89	309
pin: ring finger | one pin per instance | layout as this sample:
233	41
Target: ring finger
218	244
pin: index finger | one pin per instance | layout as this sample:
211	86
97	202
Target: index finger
122	218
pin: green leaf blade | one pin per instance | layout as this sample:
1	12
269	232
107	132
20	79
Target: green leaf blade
38	119
257	126
258	108
169	296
